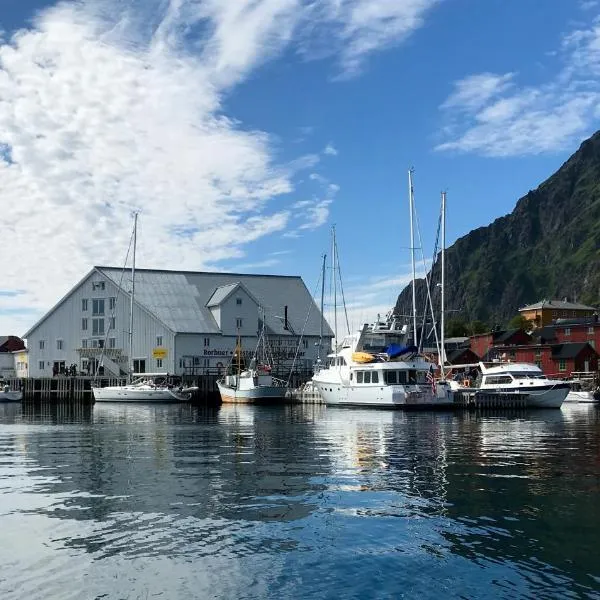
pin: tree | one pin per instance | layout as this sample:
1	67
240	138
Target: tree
476	327
519	322
456	327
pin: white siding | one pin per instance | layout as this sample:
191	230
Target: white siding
231	311
65	324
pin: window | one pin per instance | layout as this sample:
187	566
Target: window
84	324
402	377
538	354
112	342
59	344
590	331
112	303
98	285
359	376
567	331
562	365
206	363
391	377
84	304
206	342
97	326
238	323
304	343
159	363
196	361
367	377
112	323
41	365
238	301
84	343
374	377
98	306
42	344
159	340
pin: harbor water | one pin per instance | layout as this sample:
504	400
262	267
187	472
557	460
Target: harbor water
179	502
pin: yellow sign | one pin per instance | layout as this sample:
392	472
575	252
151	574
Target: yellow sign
159	353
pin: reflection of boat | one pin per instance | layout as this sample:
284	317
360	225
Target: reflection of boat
146	387
8	395
524	379
255	384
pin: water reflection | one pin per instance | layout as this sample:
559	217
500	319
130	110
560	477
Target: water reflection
127	501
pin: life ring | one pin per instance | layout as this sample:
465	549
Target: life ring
466	383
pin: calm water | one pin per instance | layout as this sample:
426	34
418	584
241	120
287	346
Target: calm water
298	502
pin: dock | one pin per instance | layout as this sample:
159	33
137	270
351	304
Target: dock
474	399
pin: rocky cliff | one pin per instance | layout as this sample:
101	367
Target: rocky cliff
548	247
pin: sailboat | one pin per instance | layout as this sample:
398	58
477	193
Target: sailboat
140	387
380	366
255	384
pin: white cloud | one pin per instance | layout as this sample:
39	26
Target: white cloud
588	4
490	114
106	108
330	150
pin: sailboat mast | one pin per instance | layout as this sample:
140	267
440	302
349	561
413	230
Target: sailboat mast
322	308
131	300
333	266
443	299
411	203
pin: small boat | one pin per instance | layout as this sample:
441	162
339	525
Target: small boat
583	389
8	395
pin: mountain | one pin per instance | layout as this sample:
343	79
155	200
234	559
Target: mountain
548	247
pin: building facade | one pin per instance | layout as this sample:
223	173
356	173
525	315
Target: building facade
183	323
545	312
9	345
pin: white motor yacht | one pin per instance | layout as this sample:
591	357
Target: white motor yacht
375	368
519	378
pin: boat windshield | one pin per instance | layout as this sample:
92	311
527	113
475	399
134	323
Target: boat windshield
527	375
377	342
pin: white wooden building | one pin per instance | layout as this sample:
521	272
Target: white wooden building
184	322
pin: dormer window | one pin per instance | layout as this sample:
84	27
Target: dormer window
98	286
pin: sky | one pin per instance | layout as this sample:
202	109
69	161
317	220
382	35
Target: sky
243	130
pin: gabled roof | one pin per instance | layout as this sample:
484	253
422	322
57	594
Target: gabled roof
544	334
556	305
224	291
571	350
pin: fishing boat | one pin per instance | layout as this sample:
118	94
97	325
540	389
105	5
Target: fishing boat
141	387
9	395
256	383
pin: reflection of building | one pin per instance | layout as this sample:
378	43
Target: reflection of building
544	312
184	322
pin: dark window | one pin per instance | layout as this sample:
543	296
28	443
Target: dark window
359	376
374	377
391	377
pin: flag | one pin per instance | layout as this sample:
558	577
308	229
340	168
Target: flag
431	380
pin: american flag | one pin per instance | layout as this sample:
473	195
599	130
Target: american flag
431	380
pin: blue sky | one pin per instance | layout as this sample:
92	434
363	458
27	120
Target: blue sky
243	130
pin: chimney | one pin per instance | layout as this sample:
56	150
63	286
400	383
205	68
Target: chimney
285	318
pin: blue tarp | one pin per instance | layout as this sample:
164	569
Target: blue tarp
394	350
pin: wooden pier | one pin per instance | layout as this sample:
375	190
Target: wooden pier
478	399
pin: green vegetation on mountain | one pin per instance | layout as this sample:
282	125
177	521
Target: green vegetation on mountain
548	247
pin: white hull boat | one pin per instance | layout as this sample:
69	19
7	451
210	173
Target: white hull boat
143	389
582	396
521	379
8	395
251	388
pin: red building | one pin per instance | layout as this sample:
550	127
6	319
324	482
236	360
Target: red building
558	360
11	343
571	330
481	343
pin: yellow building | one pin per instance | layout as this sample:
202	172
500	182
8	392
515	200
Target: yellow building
545	312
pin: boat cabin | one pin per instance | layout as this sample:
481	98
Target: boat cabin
390	377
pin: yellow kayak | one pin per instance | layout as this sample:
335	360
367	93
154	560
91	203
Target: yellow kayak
362	357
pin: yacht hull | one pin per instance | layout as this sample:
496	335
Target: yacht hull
583	396
123	394
382	396
548	396
262	394
11	396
